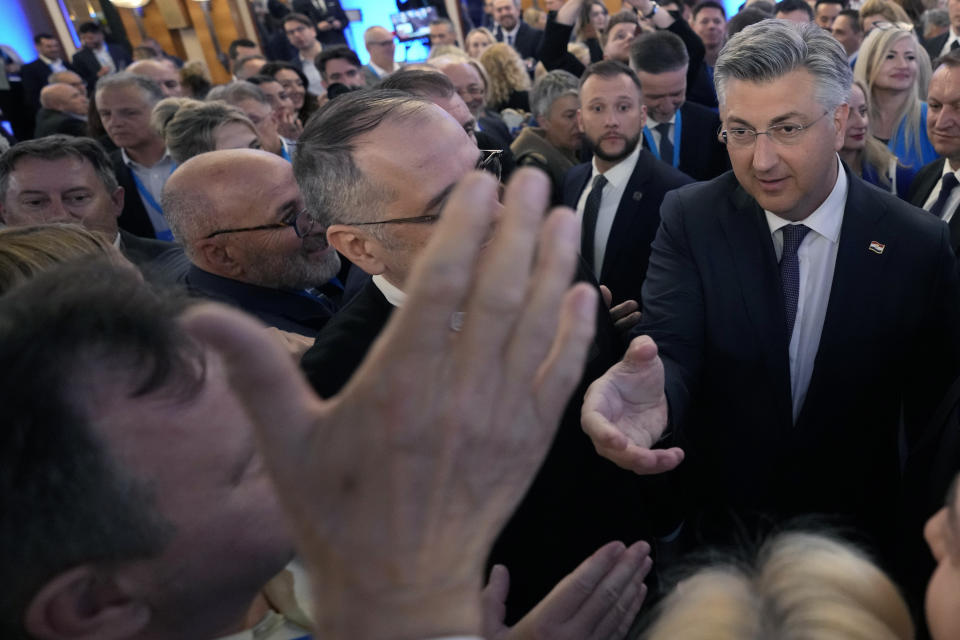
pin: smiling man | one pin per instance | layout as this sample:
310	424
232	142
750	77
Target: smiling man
795	318
935	186
617	196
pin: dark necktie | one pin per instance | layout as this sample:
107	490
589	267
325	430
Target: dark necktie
946	188
590	212
666	147
793	235
954	45
510	39
499	36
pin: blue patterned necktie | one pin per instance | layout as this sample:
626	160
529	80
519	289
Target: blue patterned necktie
793	235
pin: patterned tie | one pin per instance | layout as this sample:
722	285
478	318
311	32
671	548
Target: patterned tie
666	147
946	188
793	235
590	212
510	39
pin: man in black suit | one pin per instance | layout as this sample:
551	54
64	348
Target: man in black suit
327	16
949	40
250	247
35	74
512	30
678	132
96	58
65	179
64	110
935	186
570	509
618	194
787	387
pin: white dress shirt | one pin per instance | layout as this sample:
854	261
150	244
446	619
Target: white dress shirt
651	124
617	178
55	65
817	256
152	178
103	57
510	37
950	208
393	294
315	82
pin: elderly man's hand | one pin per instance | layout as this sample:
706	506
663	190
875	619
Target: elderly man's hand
397	487
597	601
625	412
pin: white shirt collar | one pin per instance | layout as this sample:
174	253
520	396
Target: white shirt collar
825	219
512	32
393	294
127	160
380	71
948	169
619	174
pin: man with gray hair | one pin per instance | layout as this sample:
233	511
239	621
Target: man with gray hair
795	319
142	164
256	105
553	145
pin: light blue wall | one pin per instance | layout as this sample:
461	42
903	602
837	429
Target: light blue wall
376	13
15	30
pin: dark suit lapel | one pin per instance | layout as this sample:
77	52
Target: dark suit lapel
857	285
751	249
630	212
924	182
575	183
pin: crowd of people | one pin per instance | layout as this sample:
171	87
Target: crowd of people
642	324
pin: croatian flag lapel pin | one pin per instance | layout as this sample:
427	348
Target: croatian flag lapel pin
877	247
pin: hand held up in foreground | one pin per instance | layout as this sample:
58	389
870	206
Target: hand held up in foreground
625	412
397	487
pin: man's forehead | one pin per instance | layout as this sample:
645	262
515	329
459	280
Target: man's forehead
42	174
945	79
608	87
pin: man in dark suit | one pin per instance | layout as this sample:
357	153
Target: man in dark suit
250	247
96	58
570	509
950	39
512	30
66	179
678	132
327	16
35	74
618	194
935	186
787	387
64	110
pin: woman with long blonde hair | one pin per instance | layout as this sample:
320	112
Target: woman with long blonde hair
866	156
509	82
895	69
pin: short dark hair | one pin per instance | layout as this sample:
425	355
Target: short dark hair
744	19
418	82
621	17
260	79
64	499
658	52
56	147
950	59
854	16
708	4
43	36
271	69
789	6
298	17
90	27
236	44
609	69
339	52
444	21
842	3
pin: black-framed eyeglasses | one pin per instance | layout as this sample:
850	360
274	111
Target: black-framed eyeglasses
490	162
785	133
301	222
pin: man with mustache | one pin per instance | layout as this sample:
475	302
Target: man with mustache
617	196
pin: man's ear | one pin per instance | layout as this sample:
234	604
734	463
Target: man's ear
117	199
83	603
212	256
840	122
357	247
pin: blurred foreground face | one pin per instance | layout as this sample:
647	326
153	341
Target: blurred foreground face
943	593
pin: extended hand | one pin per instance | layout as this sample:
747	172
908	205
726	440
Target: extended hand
597	601
625	412
397	486
625	315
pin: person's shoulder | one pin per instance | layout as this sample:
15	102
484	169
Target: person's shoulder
662	173
893	212
698	112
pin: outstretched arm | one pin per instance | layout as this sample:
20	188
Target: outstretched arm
397	486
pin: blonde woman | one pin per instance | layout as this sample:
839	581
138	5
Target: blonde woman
190	127
881	11
895	69
801	586
866	156
509	83
477	41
